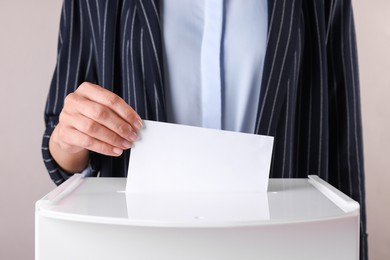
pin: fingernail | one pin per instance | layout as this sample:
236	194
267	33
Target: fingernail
133	136
117	151
138	124
126	144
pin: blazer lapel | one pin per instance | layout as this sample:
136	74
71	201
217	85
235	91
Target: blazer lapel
283	23
149	14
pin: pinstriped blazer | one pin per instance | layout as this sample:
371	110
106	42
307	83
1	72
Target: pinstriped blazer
309	98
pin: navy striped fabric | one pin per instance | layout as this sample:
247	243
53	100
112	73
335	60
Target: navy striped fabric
310	98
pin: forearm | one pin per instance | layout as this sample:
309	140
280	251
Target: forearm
69	162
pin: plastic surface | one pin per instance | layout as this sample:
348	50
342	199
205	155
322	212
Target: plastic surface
103	200
92	218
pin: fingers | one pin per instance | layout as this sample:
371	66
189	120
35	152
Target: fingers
99	115
112	101
96	119
71	137
98	131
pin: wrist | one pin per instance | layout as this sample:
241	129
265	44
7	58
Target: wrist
70	160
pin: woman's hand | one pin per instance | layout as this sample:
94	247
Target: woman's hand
92	119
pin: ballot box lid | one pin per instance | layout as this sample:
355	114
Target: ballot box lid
105	200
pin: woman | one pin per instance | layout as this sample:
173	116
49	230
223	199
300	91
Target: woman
281	68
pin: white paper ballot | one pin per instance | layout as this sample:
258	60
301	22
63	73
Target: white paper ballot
178	158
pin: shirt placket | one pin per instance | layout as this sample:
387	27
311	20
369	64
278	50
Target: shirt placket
211	65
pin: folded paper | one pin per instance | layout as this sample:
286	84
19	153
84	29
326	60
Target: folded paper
178	158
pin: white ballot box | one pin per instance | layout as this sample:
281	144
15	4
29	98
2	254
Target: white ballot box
94	218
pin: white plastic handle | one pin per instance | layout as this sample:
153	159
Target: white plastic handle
337	197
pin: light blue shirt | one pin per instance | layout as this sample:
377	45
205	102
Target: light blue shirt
214	55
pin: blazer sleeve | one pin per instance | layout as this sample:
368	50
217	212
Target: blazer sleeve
344	102
74	65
